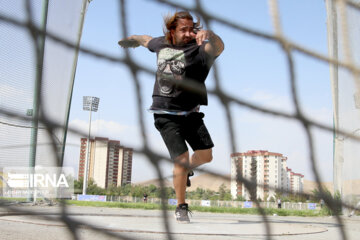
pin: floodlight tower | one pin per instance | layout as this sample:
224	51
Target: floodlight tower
90	104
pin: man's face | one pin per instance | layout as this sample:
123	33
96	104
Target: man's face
184	32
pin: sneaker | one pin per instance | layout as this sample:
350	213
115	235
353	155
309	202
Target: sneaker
181	213
188	182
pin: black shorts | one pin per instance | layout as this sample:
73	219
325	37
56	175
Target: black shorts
177	130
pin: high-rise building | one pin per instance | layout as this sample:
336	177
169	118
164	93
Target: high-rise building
297	182
110	164
124	177
267	169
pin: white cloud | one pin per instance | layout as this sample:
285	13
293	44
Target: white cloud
98	127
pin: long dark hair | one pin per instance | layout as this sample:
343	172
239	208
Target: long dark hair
170	23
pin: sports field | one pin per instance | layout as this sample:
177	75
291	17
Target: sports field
119	223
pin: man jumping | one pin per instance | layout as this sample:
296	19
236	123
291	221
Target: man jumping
184	55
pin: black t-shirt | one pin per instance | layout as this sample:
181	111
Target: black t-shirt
188	64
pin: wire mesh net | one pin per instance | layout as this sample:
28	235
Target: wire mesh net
29	76
346	100
27	73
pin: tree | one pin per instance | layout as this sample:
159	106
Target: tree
78	185
94	189
136	191
222	191
125	190
151	189
240	198
224	194
333	204
112	191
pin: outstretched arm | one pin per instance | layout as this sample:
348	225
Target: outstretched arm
214	46
142	40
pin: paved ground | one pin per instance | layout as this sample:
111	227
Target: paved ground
116	223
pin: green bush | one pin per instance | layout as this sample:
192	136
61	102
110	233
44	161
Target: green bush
333	204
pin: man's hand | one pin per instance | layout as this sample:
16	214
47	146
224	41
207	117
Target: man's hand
202	36
214	46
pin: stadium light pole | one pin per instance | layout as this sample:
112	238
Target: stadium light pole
90	104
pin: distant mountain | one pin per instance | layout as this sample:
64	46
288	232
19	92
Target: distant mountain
155	182
204	181
310	186
209	181
349	186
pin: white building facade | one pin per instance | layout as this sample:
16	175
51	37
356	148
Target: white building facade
267	169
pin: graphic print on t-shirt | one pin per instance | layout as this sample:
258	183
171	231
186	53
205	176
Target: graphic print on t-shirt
171	67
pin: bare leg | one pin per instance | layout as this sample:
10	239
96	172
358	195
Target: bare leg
181	170
200	157
180	176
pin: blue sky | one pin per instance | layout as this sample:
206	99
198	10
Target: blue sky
250	68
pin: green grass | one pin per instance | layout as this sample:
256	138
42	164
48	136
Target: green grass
5	199
149	206
232	210
255	211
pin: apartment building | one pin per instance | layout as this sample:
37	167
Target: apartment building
267	169
125	166
110	164
297	182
